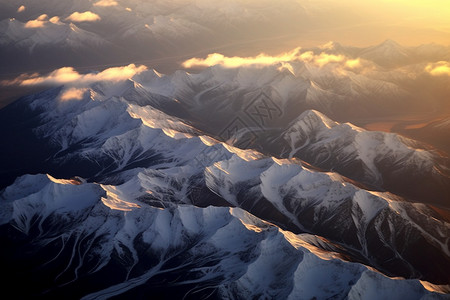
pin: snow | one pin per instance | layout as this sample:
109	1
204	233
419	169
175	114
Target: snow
315	278
61	198
25	185
115	200
369	204
373	286
249	257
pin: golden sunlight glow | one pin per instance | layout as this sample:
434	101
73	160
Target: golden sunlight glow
297	242
63	181
324	59
218	165
439	68
115	203
115	200
353	63
247	155
369	22
208	141
176	134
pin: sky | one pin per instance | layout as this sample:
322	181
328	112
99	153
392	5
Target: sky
363	23
170	34
353	22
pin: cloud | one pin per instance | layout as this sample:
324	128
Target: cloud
439	68
321	59
106	3
324	59
353	63
72	94
54	20
233	62
86	16
42	17
283	60
21	9
69	76
37	23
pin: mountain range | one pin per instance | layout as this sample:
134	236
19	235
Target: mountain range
218	184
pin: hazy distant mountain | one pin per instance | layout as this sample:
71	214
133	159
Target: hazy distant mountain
154	32
435	133
58	34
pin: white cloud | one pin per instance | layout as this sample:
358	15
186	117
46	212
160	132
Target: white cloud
70	76
86	16
72	94
21	9
283	59
233	62
37	23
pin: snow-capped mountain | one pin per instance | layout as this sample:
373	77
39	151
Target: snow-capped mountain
309	87
90	244
377	159
149	186
230	105
388	53
325	204
271	104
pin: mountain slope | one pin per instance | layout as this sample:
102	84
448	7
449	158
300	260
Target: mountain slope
378	159
172	252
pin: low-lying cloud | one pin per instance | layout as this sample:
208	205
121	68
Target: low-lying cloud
86	16
235	61
283	59
72	94
38	22
69	76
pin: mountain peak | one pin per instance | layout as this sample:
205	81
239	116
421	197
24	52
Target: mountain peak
390	43
316	117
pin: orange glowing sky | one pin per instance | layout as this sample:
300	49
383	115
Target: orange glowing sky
360	23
